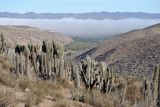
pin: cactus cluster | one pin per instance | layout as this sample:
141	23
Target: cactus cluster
151	88
95	74
45	62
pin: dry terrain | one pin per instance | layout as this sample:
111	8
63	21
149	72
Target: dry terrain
25	34
21	92
41	77
137	50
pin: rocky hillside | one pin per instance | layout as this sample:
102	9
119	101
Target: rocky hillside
25	34
137	50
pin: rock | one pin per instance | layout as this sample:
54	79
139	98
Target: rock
27	90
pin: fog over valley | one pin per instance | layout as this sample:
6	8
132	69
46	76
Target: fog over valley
83	27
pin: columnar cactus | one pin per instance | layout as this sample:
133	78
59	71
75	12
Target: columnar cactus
145	88
77	78
17	63
41	65
2	43
98	75
158	102
45	61
21	65
45	48
107	77
147	92
156	85
109	80
103	68
88	73
61	69
27	61
34	62
155	82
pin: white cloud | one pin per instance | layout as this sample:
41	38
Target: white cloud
83	28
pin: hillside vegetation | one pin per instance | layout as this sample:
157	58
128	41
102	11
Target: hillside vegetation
135	51
40	75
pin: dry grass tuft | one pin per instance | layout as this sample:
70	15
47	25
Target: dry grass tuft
38	89
93	98
7	98
32	99
7	79
5	64
133	93
99	100
62	103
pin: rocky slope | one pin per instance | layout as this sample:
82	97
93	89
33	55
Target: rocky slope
137	50
25	34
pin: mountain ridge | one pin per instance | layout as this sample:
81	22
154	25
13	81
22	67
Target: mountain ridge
24	34
89	15
136	50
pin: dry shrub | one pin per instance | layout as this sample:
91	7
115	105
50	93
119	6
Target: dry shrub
62	103
57	94
76	93
7	79
133	93
93	98
5	63
99	100
39	89
23	83
7	98
46	87
32	99
132	80
64	83
119	80
119	83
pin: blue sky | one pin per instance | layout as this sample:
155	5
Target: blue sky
74	6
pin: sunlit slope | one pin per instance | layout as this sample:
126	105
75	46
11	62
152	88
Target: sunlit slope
25	34
137	50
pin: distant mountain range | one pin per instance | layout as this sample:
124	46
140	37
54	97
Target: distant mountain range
91	15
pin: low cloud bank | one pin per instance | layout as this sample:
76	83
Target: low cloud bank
82	28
